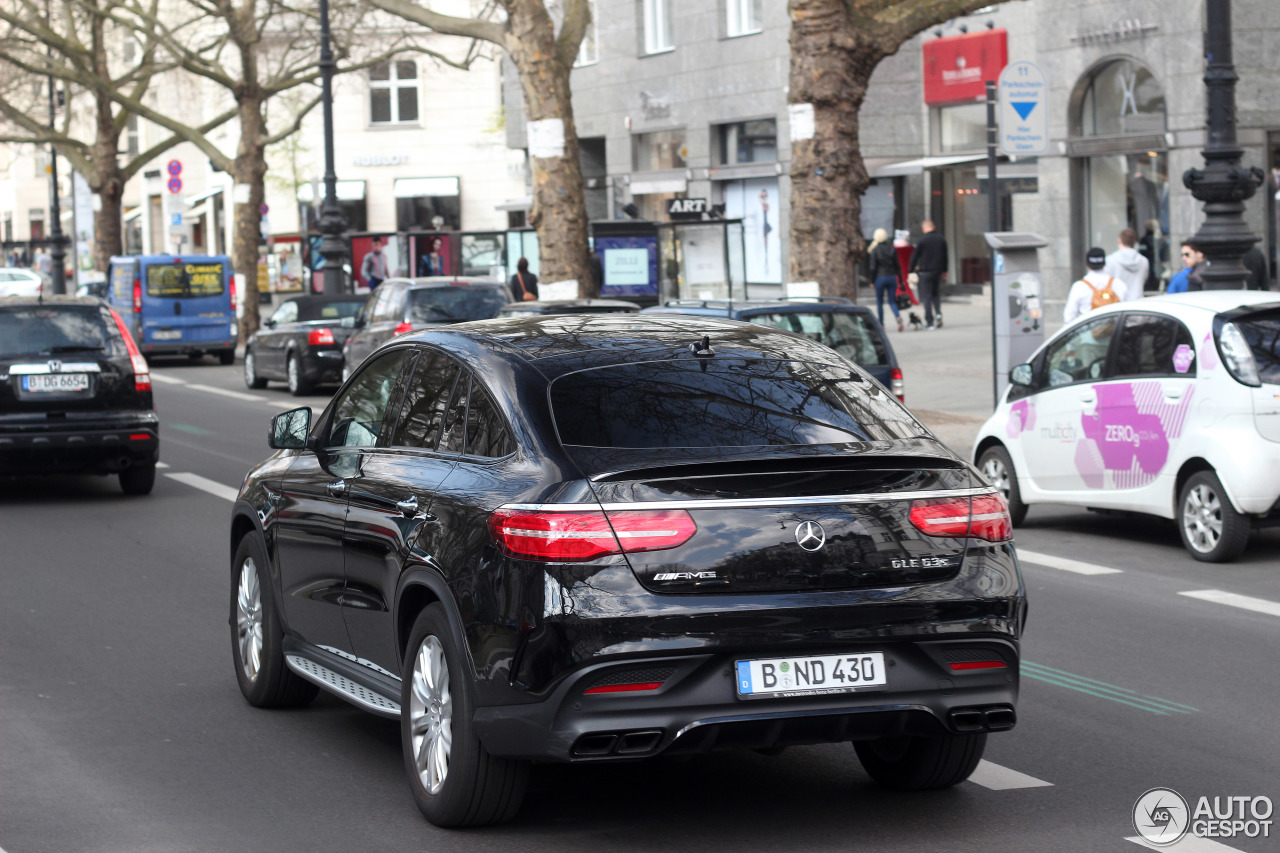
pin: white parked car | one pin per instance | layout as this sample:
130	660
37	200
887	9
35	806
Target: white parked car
1169	406
18	281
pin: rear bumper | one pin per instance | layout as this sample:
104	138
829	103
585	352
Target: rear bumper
92	448
322	365
183	348
697	709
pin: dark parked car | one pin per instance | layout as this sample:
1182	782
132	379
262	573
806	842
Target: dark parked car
75	393
568	306
402	305
301	342
595	538
851	330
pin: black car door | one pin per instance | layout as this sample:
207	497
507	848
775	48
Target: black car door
391	502
269	347
313	509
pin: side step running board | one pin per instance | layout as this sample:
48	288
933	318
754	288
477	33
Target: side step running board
340	685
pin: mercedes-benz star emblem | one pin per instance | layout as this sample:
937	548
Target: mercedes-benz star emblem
810	535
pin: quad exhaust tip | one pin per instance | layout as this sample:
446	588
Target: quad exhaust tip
987	718
635	743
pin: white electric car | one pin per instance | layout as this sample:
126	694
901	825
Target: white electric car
1169	406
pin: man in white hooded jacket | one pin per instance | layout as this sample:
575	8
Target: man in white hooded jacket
1083	294
1128	266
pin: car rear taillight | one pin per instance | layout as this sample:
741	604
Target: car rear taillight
897	386
576	536
404	328
981	517
321	337
232	290
137	296
141	373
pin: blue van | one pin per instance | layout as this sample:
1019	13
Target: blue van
176	304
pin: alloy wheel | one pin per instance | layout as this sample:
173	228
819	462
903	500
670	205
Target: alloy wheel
249	619
996	474
250	369
1202	518
431	715
293	374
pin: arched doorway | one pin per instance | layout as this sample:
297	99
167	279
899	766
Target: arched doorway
1120	168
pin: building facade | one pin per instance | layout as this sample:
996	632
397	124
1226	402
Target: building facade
688	100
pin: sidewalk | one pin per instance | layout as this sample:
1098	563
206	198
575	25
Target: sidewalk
948	371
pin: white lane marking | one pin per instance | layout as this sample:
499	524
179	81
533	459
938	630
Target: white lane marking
204	484
1188	844
1065	564
1231	599
235	395
158	465
166	380
997	778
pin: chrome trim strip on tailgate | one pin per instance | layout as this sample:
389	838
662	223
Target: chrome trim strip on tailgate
739	503
43	369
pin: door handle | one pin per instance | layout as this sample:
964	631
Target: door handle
1088	398
1174	392
337	488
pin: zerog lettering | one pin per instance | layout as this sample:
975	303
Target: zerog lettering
1126	433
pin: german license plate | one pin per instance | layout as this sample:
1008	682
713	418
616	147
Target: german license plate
166	335
810	676
56	382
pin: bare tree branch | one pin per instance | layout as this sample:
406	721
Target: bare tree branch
446	24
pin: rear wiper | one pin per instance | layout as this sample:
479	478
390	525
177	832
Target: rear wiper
72	348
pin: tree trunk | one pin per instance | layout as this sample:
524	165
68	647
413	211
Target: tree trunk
559	207
831	65
108	229
250	168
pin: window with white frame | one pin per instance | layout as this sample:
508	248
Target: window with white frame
744	16
588	51
393	92
657	26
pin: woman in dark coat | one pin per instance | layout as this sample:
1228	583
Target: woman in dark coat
884	272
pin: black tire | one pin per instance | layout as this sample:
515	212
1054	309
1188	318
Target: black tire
271	684
298	384
993	461
1211	529
138	479
476	789
227	356
921	763
251	377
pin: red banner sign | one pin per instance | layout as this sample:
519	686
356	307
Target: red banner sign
956	68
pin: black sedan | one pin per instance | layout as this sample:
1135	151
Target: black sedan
301	342
598	538
75	393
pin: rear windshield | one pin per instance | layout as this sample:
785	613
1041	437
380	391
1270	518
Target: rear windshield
184	281
64	330
329	310
455	304
1262	331
724	402
849	333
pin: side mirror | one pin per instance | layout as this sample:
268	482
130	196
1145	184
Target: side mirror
269	322
289	429
348	322
1021	375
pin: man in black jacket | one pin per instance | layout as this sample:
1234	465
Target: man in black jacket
929	263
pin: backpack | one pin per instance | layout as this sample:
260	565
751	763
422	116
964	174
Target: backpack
1104	295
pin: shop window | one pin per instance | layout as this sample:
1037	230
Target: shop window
428	204
657	25
350	201
747	142
1122	97
743	17
962	127
662	149
393	92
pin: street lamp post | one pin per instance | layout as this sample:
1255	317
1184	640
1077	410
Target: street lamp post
332	220
1223	185
57	246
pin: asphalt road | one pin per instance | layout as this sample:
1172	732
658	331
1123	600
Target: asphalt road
121	728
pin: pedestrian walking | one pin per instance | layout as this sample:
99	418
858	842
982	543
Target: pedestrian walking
374	268
524	284
1128	265
929	263
1181	280
885	272
1096	289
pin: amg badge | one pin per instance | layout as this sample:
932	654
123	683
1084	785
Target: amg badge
684	576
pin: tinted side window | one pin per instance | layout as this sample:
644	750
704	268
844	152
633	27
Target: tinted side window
487	433
426	402
1148	344
359	415
1081	355
453	438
